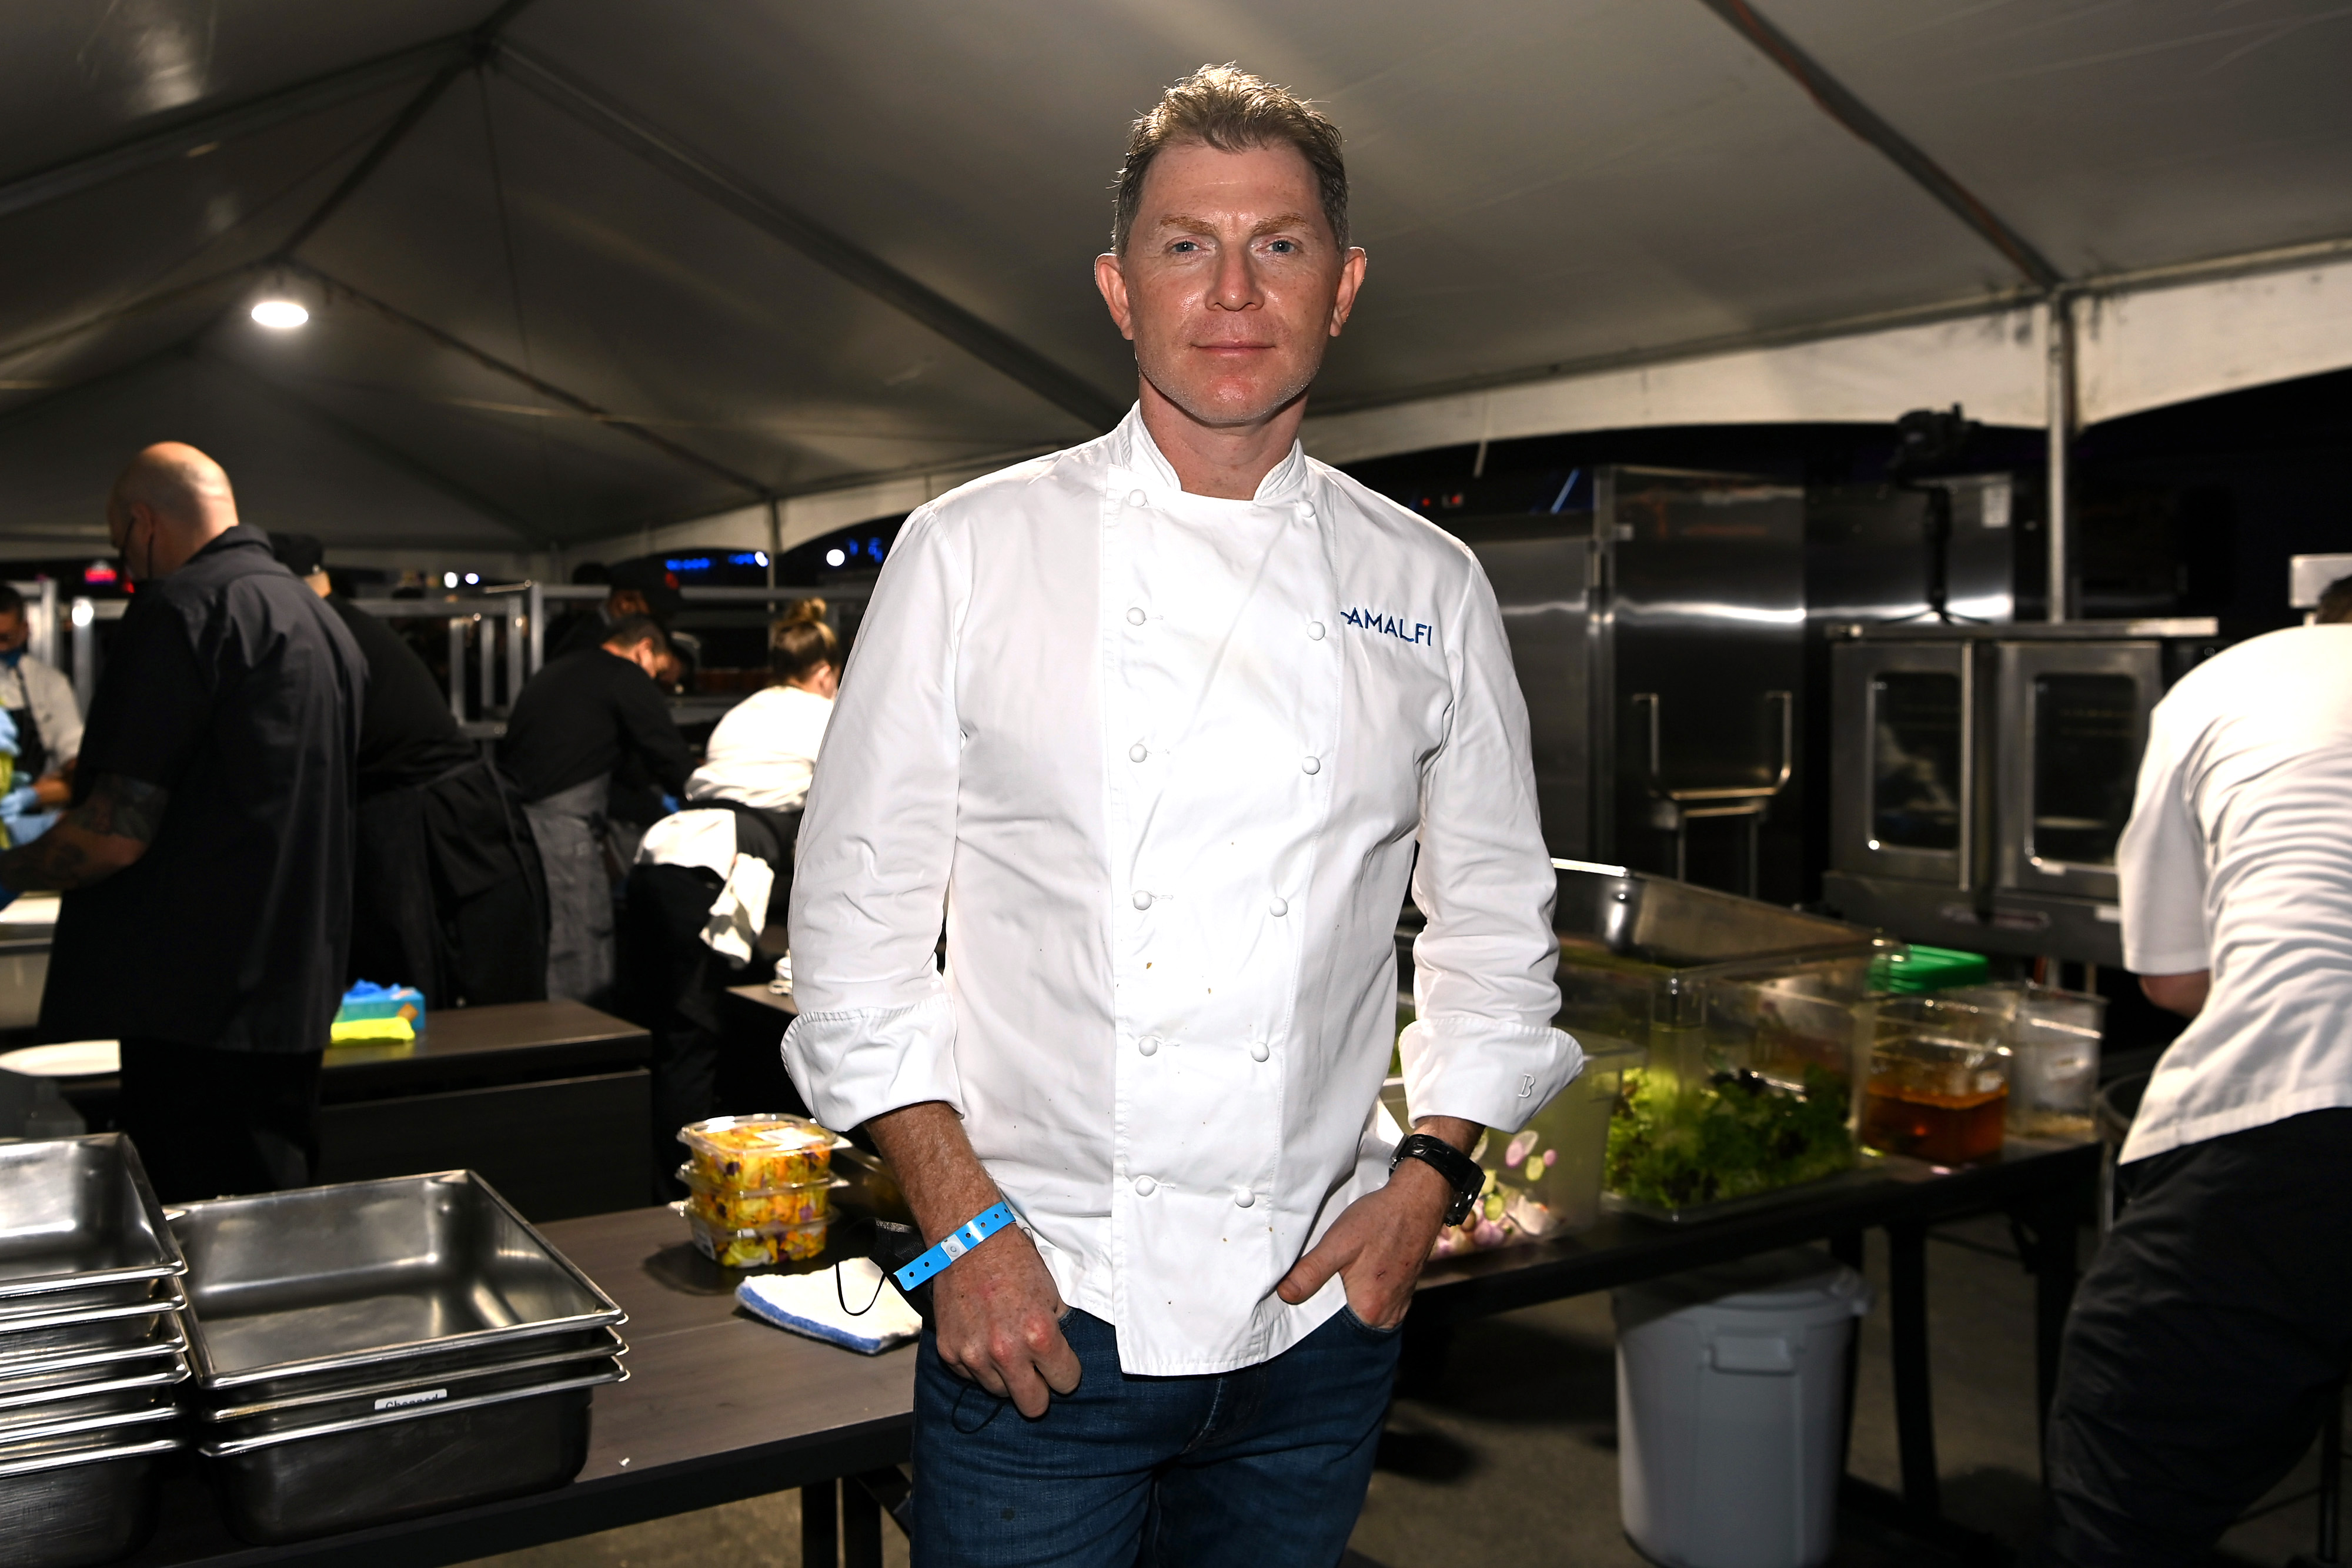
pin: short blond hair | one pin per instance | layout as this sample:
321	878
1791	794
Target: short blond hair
1228	109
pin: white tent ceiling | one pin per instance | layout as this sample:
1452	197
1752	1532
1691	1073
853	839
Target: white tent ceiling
588	266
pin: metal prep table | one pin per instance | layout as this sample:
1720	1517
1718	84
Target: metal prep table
720	1407
550	1100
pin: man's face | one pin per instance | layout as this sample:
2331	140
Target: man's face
1231	282
12	631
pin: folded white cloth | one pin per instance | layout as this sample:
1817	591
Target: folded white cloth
811	1304
741	909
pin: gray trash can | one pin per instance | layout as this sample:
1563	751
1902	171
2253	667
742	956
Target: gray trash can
1731	1400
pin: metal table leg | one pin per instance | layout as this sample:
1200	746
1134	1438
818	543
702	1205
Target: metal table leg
2044	1232
820	1536
1846	1247
1914	1419
861	1527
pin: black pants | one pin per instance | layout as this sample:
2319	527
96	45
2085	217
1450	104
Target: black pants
2203	1344
214	1124
671	983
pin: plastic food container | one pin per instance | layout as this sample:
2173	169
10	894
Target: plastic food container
757	1246
734	1208
758	1154
2053	1041
1938	1080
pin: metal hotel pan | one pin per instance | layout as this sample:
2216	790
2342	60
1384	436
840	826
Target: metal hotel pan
77	1501
168	1343
65	1303
392	1276
30	1338
381	1394
349	1475
36	1431
61	1393
78	1215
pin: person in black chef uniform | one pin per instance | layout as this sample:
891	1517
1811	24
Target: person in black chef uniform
447	893
207	857
574	722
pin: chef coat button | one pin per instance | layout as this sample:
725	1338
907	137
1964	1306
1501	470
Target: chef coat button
1279	907
1311	765
1244	1198
1138	752
1149	1045
1306	510
1145	1186
1135	615
1142	899
1258	1051
1137	497
1314	631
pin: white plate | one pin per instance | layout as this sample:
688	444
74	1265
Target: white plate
74	1058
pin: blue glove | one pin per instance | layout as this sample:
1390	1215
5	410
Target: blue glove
670	804
21	801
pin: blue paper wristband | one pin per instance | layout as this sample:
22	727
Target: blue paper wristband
954	1245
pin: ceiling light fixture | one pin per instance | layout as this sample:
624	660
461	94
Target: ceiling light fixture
280	314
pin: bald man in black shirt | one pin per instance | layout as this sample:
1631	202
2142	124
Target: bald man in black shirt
206	858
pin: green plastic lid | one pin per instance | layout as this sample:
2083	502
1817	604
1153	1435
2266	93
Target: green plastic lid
1927	969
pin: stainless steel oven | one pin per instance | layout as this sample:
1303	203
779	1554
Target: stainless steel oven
1982	774
2073	722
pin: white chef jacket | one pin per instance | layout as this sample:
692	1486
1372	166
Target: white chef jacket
1165	758
761	754
2238	858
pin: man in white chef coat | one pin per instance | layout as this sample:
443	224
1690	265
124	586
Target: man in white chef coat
1156	724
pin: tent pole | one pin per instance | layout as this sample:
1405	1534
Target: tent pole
2061	416
775	535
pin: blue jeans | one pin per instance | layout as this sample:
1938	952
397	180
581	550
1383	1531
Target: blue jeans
1265	1465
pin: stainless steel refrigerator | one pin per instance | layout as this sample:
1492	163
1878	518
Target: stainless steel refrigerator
1657	618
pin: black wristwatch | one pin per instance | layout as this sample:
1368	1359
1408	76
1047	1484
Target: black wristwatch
1462	1173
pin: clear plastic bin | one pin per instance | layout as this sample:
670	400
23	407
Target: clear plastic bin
1938	1078
2053	1041
1749	1082
735	1208
758	1154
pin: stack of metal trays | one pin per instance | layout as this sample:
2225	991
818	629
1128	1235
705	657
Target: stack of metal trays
92	1350
385	1349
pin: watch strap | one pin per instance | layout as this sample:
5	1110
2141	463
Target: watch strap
1463	1174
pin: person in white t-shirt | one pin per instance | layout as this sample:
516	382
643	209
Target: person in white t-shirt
2217	1319
708	876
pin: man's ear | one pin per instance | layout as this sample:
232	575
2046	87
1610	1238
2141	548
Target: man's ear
1110	277
1352	278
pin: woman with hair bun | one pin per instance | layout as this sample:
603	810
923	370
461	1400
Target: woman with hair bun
707	877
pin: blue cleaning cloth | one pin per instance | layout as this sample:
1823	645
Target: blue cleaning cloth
810	1304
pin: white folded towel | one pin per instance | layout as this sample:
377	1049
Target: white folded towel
811	1304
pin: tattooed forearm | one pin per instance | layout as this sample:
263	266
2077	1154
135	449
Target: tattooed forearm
124	808
93	841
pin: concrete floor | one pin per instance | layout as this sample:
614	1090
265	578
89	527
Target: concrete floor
1508	1455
